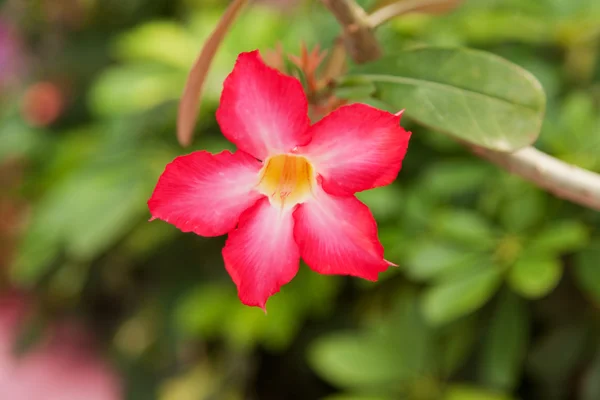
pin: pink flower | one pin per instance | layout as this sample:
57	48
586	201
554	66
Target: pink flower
288	191
64	366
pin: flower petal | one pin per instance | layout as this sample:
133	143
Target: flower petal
338	235
262	111
357	147
206	193
261	254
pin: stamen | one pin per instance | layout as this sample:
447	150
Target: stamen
287	179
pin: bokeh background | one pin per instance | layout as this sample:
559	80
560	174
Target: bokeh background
497	295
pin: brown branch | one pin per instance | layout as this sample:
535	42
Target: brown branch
398	8
358	35
557	177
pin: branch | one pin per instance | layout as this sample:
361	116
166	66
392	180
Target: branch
393	10
557	177
358	35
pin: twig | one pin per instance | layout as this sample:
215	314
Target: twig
358	35
559	178
393	10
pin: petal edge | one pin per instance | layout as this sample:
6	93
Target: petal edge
261	255
338	236
206	193
357	147
262	111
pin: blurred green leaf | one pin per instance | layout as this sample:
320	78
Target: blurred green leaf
355	397
587	270
408	335
383	201
428	259
465	392
84	214
357	361
455	177
354	88
464	227
458	340
165	42
383	358
559	237
37	250
200	311
460	295
551	367
18	139
134	88
505	343
471	95
590	385
102	208
524	206
535	276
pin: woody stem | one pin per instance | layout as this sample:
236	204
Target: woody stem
564	180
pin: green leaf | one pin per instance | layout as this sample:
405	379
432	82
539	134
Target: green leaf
587	270
134	88
461	295
118	202
505	343
354	88
430	259
458	340
158	41
383	201
84	213
552	367
356	361
19	140
523	206
37	250
453	178
355	397
590	385
200	311
465	392
395	349
535	277
465	227
471	95
408	335
560	237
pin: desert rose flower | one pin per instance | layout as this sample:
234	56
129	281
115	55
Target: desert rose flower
10	55
288	191
63	366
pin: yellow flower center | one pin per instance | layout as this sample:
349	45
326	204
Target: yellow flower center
286	179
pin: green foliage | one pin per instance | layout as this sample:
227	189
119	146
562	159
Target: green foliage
471	95
200	312
587	270
505	343
461	293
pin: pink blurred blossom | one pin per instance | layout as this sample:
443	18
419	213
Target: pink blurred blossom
10	55
63	366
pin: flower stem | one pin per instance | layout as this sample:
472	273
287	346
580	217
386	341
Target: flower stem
360	39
